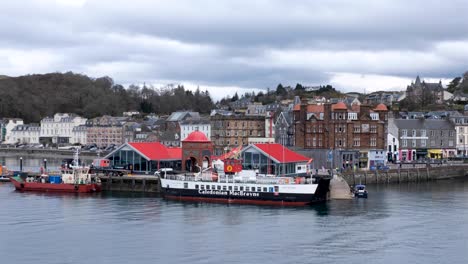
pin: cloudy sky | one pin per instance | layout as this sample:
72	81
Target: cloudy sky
227	46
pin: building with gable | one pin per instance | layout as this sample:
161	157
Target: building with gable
274	159
427	93
59	128
357	136
145	157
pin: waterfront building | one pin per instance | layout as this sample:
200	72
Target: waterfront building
273	158
230	131
105	130
25	134
424	138
355	135
197	152
79	135
59	128
460	121
188	126
145	157
7	126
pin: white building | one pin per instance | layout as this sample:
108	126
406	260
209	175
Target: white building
188	126
59	129
26	134
9	124
461	127
79	134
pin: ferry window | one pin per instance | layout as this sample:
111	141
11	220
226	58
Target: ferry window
219	187
241	188
265	189
259	189
247	188
196	186
230	188
207	187
213	187
185	185
224	188
236	188
270	189
202	187
276	189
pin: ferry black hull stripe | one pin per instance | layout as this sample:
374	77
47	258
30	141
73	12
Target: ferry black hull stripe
239	201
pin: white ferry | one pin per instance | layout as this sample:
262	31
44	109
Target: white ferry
226	182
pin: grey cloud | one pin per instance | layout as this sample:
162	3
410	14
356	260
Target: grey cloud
207	42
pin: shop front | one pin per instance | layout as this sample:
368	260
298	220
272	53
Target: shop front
421	154
377	159
449	153
435	153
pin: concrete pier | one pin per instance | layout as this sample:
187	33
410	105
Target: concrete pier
134	183
339	188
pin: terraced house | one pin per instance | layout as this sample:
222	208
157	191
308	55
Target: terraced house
420	139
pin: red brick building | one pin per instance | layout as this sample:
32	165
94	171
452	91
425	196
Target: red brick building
338	127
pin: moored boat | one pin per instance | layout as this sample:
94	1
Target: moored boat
72	179
237	186
360	191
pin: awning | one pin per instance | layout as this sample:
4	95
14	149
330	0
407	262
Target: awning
434	151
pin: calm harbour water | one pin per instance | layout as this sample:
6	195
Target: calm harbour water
407	223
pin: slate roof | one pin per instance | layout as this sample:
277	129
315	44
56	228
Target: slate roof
435	124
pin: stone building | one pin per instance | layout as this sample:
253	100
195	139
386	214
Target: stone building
106	130
230	131
356	137
426	93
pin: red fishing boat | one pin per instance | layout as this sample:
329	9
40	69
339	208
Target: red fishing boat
72	179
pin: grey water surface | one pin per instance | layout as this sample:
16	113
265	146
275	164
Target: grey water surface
408	223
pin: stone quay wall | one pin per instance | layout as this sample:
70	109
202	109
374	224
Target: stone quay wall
402	175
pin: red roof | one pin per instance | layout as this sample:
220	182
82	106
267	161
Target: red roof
381	107
280	153
339	106
315	108
196	136
157	151
312	108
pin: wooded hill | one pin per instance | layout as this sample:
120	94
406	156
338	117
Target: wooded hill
33	97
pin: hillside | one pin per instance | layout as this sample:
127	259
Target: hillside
33	97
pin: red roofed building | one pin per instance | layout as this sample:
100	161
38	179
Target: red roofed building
354	134
272	158
145	157
197	151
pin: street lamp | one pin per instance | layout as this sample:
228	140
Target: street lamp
21	163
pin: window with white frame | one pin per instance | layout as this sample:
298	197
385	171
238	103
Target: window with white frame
404	132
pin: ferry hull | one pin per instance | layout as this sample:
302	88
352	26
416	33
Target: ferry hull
52	187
